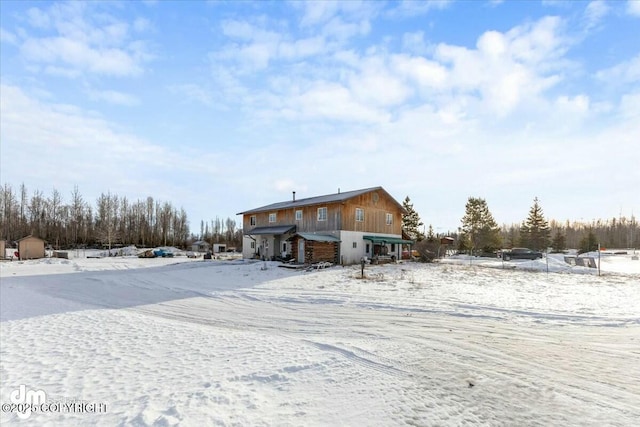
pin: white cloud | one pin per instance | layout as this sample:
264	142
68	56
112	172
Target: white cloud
595	12
417	8
65	139
424	72
81	56
38	18
193	92
506	68
66	146
414	42
141	25
8	37
625	72
114	97
83	42
633	7
330	101
319	13
375	85
579	103
630	109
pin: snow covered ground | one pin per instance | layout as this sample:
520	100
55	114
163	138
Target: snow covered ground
175	341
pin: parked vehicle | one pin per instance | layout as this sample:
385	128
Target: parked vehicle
147	254
163	253
520	253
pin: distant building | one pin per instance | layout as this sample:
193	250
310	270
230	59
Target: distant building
31	247
200	246
339	228
219	247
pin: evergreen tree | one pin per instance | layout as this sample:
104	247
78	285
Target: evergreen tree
431	237
411	221
558	244
589	243
479	230
535	232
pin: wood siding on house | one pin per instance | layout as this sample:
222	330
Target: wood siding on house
315	252
340	216
375	207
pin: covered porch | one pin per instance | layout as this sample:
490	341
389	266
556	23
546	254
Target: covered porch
270	243
386	248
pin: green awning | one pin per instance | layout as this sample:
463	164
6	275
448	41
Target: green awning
383	240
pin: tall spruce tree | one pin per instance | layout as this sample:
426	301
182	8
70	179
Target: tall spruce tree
535	232
558	244
589	243
480	232
411	221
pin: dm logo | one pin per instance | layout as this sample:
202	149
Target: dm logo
27	399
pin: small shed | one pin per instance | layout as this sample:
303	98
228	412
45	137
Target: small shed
446	240
200	246
31	247
219	247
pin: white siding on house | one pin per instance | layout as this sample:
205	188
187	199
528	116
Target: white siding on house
247	250
351	255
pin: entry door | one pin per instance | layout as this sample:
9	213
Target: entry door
301	251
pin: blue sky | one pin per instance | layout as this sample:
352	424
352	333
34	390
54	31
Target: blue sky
221	107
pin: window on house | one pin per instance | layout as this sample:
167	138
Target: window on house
252	220
298	215
389	219
367	248
393	247
253	245
322	214
284	247
359	214
272	217
355	245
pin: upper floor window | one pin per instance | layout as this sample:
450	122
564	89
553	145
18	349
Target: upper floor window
389	219
322	214
272	217
359	214
298	215
252	220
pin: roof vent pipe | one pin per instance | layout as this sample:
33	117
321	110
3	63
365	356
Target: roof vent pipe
294	196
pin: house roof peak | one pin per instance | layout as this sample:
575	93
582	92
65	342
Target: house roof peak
327	198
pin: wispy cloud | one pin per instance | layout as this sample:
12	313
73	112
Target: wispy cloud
114	97
71	40
595	13
193	92
623	73
633	7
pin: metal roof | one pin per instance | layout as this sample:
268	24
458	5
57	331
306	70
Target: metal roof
318	237
329	198
276	229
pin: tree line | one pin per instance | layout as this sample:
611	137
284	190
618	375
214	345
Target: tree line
479	232
112	221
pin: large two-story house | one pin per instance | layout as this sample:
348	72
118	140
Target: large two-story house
340	228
